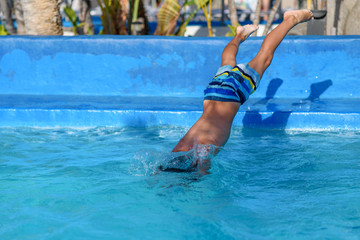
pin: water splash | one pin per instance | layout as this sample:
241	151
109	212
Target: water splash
150	162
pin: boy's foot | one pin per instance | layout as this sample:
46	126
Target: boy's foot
245	31
298	16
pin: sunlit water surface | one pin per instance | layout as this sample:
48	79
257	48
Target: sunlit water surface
99	183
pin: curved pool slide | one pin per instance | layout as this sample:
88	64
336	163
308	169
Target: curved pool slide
312	83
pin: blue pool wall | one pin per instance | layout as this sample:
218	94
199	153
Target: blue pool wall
163	68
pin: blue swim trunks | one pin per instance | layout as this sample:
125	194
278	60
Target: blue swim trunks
232	84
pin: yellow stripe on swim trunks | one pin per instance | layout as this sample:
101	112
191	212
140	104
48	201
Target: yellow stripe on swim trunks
225	73
245	77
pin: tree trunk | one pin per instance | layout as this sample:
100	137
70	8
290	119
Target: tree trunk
233	15
19	14
6	10
42	17
257	15
85	17
271	17
123	17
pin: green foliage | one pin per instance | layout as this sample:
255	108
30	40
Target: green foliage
70	13
136	10
3	31
111	13
169	14
232	31
207	13
167	17
182	28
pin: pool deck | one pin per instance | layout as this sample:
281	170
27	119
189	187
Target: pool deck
313	82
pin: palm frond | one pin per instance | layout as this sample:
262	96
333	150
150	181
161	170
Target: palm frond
167	17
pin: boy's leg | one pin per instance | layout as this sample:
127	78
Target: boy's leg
231	49
264	57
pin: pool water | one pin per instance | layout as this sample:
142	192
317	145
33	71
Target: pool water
99	183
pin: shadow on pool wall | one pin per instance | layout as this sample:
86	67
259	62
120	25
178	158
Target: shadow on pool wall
313	82
280	115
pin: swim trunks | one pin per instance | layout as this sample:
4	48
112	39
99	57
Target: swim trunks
232	84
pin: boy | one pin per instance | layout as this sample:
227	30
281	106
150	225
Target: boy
230	88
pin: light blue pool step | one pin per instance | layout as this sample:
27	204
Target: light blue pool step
67	111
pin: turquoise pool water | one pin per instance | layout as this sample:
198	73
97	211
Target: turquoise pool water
98	183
